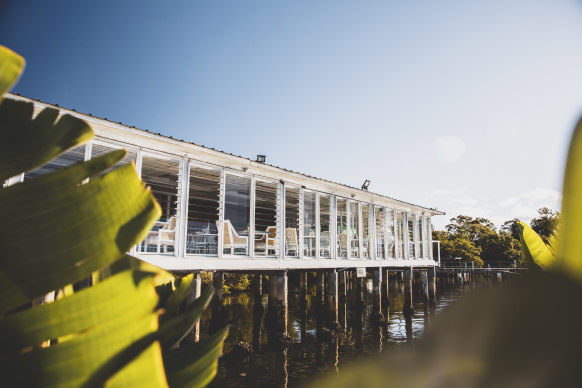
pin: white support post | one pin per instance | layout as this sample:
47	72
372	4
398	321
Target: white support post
360	231
301	223
88	150
394	215
253	198
389	214
182	232
317	225
221	207
429	238
405	234
424	238
282	217
333	228
138	161
348	230
372	232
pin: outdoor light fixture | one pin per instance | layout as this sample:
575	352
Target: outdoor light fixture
366	184
261	158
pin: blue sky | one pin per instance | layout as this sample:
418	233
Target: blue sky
467	106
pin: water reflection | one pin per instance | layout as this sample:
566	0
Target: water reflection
316	345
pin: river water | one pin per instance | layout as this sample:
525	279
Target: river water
311	351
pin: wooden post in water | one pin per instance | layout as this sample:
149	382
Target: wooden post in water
278	307
360	291
424	276
320	287
432	286
303	284
258	311
217	321
408	309
218	283
332	294
377	290
386	288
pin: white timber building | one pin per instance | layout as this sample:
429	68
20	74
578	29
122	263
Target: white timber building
229	213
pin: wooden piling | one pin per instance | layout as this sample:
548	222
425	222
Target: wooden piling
408	309
432	286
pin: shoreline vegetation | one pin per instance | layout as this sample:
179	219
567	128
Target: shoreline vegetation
476	240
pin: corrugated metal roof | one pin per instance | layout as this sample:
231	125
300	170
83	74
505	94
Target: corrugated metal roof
231	154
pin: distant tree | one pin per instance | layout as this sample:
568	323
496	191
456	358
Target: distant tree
546	223
458	246
511	228
475	239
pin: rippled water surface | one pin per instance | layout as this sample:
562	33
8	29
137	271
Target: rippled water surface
311	352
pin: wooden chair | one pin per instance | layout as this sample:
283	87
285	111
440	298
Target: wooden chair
231	238
268	242
291	244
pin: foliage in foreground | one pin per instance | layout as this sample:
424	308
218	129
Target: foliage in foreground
58	229
524	335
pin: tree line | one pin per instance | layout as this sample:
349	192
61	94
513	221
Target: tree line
467	239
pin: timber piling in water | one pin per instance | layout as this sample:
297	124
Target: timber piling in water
377	290
332	295
277	311
408	309
385	287
218	311
432	287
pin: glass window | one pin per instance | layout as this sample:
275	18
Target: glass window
324	224
365	229
380	233
342	227
390	246
236	215
400	227
266	216
203	208
69	158
291	221
354	229
162	177
308	224
98	150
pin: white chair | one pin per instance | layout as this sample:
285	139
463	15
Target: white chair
291	241
232	240
162	237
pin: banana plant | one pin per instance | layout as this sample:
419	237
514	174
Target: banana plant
72	224
537	253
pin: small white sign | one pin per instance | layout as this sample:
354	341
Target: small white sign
361	272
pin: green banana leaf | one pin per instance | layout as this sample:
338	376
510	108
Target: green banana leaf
535	250
29	142
570	227
183	373
11	66
77	235
58	229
